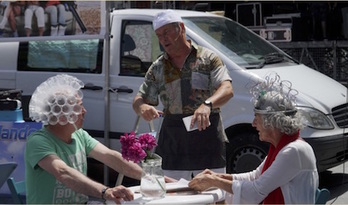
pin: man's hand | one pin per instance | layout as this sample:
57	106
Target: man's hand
149	112
201	117
118	194
145	110
169	179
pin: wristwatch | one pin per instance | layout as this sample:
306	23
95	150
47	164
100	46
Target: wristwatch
103	193
209	103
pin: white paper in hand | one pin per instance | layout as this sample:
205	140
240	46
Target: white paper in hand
187	122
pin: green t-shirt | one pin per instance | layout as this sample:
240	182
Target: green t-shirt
44	188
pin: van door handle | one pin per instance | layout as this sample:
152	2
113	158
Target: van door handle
90	86
122	89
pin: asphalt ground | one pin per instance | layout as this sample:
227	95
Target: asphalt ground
336	181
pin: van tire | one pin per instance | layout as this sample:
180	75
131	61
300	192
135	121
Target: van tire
245	152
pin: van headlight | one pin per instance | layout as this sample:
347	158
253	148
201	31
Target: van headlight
316	119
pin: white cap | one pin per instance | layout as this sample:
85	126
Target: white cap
164	18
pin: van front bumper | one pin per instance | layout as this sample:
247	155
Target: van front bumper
330	151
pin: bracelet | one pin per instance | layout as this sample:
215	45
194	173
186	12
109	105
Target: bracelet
103	192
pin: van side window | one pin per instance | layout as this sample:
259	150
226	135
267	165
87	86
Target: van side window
79	56
139	48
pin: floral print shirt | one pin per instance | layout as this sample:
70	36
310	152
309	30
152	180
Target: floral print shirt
183	90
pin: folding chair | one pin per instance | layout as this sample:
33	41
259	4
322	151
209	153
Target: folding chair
6	170
17	190
322	196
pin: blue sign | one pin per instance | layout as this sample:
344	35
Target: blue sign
13	137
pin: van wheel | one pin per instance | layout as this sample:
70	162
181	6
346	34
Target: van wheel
245	152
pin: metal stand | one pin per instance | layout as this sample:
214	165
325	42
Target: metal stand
71	6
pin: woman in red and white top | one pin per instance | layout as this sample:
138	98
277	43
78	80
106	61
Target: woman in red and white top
288	175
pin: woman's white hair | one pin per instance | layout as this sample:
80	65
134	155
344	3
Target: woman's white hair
274	99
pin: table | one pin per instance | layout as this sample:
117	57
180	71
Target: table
183	196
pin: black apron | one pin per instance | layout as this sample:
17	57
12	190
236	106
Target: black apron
195	150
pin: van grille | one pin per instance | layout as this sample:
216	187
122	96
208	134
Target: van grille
340	114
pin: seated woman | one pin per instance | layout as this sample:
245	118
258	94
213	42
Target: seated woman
34	7
288	175
13	9
56	10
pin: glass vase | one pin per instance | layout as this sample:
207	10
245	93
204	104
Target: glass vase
152	184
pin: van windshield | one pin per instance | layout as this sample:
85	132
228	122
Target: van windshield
241	45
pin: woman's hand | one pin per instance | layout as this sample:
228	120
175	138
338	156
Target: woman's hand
208	179
202	181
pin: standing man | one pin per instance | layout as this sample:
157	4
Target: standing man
190	80
56	155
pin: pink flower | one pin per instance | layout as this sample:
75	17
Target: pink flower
128	140
137	149
147	141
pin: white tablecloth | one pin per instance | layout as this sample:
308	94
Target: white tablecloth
181	197
187	197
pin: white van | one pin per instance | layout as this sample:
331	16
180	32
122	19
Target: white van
134	46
